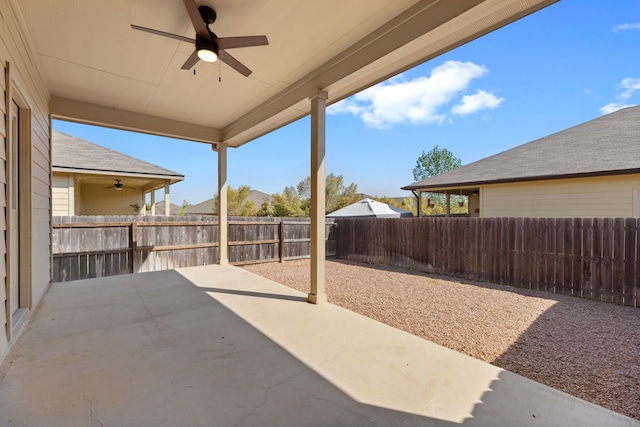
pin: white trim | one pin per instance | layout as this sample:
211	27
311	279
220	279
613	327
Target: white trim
102	115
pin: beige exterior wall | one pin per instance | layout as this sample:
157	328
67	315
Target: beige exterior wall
97	200
597	197
63	195
26	86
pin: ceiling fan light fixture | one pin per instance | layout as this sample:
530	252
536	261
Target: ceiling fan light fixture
207	51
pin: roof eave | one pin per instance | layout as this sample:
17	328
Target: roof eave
63	169
519	179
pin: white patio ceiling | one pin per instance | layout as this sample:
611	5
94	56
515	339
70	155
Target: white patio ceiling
101	71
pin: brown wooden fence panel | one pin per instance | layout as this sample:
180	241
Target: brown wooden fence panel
588	245
630	279
618	261
589	258
88	247
596	259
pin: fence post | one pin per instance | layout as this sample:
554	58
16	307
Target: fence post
134	247
281	247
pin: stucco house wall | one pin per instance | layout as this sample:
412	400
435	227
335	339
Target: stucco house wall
27	187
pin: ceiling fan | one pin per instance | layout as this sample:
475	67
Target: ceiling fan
119	186
209	47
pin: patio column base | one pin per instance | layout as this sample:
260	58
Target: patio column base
317	299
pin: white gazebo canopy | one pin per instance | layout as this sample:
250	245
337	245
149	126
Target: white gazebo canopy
368	208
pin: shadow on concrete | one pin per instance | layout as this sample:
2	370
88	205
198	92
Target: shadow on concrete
255	294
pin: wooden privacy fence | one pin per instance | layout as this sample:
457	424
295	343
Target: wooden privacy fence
88	247
591	258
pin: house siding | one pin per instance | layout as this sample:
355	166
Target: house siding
62	195
28	85
598	197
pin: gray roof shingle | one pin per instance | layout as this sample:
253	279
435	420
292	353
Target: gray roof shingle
69	152
606	145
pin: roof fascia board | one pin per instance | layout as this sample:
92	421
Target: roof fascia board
115	173
457	185
102	115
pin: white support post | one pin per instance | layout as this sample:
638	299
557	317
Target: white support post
167	201
419	197
318	104
223	226
153	202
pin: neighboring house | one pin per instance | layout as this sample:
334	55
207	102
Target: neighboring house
207	207
88	179
590	170
368	208
159	209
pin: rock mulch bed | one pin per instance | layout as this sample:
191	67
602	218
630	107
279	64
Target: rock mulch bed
585	348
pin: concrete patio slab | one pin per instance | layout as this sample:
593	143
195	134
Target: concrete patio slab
219	346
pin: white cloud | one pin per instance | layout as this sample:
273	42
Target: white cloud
613	106
481	100
420	100
625	27
629	87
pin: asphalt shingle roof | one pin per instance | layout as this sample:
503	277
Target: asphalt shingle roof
607	145
69	152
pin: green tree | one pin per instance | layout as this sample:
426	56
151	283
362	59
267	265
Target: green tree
183	207
435	162
296	201
337	196
389	201
238	203
288	204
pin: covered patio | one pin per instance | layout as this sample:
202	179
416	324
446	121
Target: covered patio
220	346
216	345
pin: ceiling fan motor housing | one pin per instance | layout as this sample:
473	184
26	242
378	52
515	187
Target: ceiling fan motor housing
208	15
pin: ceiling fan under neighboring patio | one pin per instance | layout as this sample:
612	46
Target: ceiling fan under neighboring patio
119	186
209	47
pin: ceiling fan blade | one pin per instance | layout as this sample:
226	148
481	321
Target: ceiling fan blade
191	61
162	33
247	41
196	19
233	63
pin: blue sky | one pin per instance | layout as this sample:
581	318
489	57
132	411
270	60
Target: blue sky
562	66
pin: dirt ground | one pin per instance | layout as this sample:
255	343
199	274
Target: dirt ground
585	348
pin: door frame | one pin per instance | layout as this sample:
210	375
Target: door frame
24	226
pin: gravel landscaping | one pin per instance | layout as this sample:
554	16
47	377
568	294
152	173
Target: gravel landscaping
585	348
